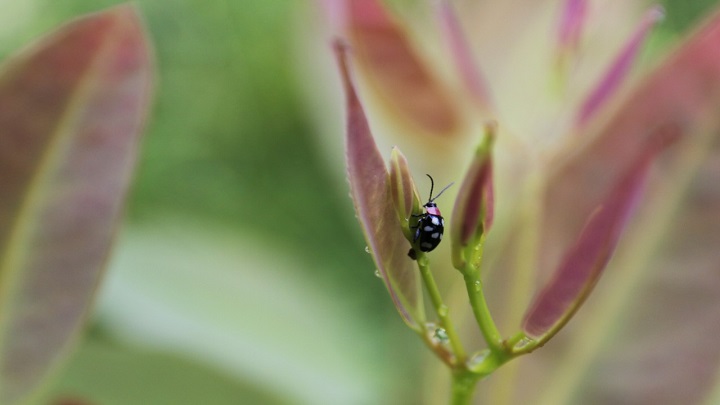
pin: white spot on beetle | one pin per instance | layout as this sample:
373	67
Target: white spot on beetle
435	221
436	235
426	245
428	228
442	221
440	237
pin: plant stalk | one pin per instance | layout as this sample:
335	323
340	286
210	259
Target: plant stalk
441	309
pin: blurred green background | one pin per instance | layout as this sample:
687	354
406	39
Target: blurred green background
240	275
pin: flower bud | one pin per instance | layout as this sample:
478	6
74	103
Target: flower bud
473	212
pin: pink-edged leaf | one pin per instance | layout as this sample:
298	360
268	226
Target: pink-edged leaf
619	68
469	71
71	111
407	87
370	190
584	262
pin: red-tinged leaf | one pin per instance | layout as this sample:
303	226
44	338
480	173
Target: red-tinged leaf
675	100
620	67
584	262
71	110
409	89
370	189
467	68
663	348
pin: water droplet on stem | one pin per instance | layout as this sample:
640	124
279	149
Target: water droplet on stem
477	359
441	335
442	310
522	343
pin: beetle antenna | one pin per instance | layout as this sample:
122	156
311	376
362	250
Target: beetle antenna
442	191
432	184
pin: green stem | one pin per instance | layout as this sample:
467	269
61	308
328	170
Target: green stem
440	308
463	386
480	309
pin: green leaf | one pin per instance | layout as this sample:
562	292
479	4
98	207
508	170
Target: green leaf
71	110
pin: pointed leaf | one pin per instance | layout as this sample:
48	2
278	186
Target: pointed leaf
649	336
619	68
71	110
370	190
397	74
663	350
586	259
675	100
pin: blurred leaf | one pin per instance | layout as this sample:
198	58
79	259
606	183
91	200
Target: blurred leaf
71	110
107	373
619	69
678	99
585	261
370	190
663	349
404	82
467	69
226	301
646	337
